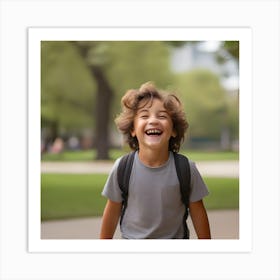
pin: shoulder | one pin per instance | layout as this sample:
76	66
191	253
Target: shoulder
193	169
123	163
116	163
125	159
185	160
192	165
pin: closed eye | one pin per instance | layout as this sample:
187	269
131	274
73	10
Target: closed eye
163	114
143	116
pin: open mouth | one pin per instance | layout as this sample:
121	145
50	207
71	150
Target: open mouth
153	132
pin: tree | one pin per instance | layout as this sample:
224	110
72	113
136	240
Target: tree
228	50
205	103
136	62
66	89
117	66
96	62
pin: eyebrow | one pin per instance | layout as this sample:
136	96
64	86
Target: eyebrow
146	110
142	111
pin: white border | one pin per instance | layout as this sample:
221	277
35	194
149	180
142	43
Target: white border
262	16
243	35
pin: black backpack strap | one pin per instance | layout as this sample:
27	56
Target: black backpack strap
123	173
184	177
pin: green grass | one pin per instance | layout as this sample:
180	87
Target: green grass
71	195
89	155
79	195
210	156
224	193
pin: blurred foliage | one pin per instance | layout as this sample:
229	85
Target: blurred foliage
232	47
205	103
228	50
135	63
67	89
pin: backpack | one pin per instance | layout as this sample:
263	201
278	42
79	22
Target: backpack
183	173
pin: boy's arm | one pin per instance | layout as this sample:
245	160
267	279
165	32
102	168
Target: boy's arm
200	219
110	219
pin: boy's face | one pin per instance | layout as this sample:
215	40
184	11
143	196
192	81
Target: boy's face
153	126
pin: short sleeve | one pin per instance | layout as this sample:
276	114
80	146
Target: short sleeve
111	188
198	188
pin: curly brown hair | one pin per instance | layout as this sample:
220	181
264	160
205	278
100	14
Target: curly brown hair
130	105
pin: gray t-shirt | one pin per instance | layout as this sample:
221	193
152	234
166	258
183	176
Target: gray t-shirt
154	207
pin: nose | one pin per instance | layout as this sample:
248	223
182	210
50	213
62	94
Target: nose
153	119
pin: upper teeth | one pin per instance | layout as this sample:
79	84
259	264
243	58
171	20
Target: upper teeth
153	131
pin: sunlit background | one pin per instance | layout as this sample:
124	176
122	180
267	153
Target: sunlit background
82	84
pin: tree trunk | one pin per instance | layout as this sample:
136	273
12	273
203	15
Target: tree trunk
103	104
102	112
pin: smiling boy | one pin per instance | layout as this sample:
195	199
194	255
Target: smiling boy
154	124
153	128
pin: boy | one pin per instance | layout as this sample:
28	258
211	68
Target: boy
154	125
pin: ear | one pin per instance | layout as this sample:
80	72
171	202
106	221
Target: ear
174	133
132	132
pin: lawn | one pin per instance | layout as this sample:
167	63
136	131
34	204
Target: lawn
89	155
71	195
79	195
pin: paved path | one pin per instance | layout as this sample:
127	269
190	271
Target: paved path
206	168
224	225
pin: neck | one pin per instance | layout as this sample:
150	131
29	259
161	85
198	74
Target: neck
153	158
